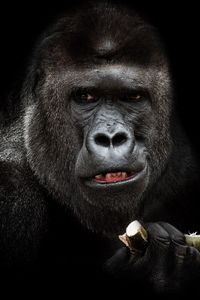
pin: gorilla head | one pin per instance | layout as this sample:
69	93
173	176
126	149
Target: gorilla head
97	114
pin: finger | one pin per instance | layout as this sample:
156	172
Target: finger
154	262
183	260
157	235
174	234
156	253
187	254
191	262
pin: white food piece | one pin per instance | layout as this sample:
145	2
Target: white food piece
133	228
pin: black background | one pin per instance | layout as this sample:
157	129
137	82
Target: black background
22	23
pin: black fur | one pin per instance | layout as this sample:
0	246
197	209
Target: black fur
50	219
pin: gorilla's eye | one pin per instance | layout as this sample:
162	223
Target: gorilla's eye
84	97
87	97
135	97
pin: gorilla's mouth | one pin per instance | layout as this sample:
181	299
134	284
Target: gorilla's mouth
117	178
114	177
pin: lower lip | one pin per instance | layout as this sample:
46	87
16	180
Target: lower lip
120	183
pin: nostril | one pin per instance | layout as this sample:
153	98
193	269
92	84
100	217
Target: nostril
102	140
119	139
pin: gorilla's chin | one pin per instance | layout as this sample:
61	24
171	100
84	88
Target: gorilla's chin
119	209
110	222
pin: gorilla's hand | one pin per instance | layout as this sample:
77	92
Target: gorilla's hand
168	264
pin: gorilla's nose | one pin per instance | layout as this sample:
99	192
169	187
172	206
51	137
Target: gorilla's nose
108	140
103	142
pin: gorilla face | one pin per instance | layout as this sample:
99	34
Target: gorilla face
97	118
113	157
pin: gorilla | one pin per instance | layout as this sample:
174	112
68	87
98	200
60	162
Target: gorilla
95	144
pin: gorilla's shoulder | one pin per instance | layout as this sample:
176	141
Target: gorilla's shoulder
18	185
23	209
20	193
11	141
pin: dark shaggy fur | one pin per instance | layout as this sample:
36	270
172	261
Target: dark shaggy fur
42	152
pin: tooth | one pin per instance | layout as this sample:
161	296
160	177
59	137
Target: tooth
108	176
119	174
113	174
100	176
124	175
